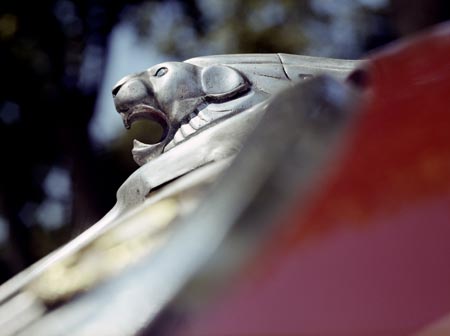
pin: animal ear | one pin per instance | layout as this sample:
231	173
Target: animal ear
219	81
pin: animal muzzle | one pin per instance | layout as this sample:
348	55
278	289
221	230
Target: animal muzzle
134	100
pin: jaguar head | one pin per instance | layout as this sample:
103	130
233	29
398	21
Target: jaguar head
185	98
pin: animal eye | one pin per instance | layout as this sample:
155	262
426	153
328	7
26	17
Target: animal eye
161	72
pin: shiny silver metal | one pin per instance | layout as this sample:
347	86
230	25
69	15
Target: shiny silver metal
206	106
188	97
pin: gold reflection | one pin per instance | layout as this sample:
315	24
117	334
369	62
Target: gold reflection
136	236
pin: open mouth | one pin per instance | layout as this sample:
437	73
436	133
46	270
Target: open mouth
147	112
205	115
171	134
144	152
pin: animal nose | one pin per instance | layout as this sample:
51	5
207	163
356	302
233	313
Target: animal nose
130	92
116	89
120	83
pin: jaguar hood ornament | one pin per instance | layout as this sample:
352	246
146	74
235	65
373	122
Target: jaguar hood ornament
188	97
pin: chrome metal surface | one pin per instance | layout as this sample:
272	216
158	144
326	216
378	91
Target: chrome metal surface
207	107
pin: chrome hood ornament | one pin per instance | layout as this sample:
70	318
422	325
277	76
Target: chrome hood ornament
188	97
206	106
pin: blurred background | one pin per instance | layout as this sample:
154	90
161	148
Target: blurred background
64	149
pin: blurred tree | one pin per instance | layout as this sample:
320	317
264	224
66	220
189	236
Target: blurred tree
46	101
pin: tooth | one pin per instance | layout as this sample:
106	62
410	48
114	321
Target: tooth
125	120
197	123
186	130
170	145
178	137
142	153
203	116
138	144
